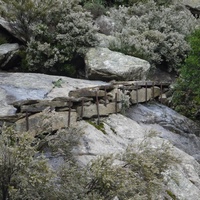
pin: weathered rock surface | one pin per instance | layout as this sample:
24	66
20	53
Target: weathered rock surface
156	124
179	130
182	179
46	122
193	3
5	26
109	65
23	86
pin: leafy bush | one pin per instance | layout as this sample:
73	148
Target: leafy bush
68	32
139	176
186	98
154	33
24	173
54	31
23	15
97	8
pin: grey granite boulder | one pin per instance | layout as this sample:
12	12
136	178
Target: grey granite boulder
103	64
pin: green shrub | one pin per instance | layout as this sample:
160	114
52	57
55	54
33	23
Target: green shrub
23	15
96	8
157	34
69	32
24	173
138	176
186	98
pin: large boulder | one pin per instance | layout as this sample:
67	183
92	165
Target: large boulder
103	64
192	3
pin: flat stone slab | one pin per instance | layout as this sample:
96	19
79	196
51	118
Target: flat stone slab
25	86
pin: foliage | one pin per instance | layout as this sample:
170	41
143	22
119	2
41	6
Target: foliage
24	14
97	8
24	173
68	32
54	31
154	33
111	3
139	176
186	98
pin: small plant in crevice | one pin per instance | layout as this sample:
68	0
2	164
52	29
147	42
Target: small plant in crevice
99	126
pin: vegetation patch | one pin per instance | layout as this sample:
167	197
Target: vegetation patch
99	126
170	193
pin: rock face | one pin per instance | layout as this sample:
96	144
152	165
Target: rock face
109	65
4	25
23	86
8	55
152	123
193	3
179	130
84	103
182	179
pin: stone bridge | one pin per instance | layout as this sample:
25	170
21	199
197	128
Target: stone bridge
86	103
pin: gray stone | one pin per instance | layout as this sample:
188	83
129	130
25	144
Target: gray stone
155	91
86	92
181	179
25	86
91	110
141	95
103	64
193	3
46	122
8	55
6	48
8	27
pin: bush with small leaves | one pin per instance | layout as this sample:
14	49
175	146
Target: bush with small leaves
23	15
69	32
157	34
138	174
24	172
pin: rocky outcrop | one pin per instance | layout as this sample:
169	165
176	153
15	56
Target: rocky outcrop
118	132
109	65
5	26
85	103
179	130
152	123
22	86
8	55
192	3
